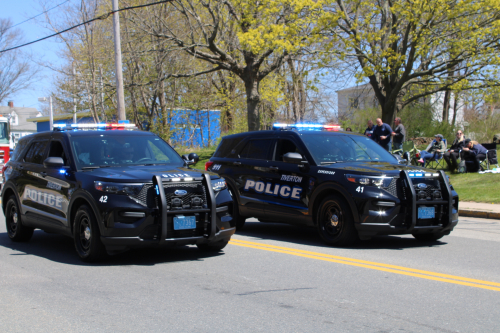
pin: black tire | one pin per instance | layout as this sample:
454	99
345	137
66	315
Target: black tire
214	246
428	237
335	222
239	221
15	228
87	236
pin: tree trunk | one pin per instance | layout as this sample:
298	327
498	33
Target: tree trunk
253	101
455	109
446	106
389	112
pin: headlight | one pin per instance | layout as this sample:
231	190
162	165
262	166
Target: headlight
219	184
369	180
118	188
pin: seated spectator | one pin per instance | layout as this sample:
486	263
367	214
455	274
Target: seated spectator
472	154
436	147
496	138
456	147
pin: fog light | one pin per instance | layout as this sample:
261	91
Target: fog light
196	202
421	195
176	203
436	194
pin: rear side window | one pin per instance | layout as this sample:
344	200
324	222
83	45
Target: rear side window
15	156
36	152
257	149
226	146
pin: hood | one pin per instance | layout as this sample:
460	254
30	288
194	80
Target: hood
144	174
374	167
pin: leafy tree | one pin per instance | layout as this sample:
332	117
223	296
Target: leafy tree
410	49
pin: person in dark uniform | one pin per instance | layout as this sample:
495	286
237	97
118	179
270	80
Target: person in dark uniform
382	134
369	129
473	154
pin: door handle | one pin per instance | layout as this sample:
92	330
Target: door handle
44	174
236	163
274	168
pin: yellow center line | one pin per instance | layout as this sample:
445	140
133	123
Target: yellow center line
372	265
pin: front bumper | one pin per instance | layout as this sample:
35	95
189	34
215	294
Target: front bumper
155	227
400	215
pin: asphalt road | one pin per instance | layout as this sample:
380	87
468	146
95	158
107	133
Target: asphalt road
271	277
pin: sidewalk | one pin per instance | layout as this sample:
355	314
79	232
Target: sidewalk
479	209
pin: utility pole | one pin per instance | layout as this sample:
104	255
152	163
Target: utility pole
118	63
102	94
74	94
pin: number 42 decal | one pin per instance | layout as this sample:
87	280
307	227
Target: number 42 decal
104	198
360	189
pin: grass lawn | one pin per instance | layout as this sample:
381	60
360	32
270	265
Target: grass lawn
469	186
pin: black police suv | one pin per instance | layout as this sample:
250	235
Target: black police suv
111	190
343	184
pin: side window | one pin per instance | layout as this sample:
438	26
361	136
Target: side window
36	152
286	146
226	147
257	149
57	150
19	149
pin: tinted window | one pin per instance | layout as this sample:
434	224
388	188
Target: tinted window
328	148
116	150
257	149
57	150
36	152
227	146
286	146
19	149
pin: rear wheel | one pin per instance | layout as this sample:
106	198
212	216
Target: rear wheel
239	221
214	246
335	222
15	228
428	237
86	235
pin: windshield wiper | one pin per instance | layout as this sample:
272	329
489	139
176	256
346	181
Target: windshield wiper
331	162
91	167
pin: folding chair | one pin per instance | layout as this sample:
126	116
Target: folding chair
491	156
438	158
409	152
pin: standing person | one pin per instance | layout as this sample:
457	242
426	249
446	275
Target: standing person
435	147
382	134
399	135
451	156
473	154
348	129
369	129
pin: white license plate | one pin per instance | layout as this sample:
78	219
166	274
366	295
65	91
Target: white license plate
184	222
426	212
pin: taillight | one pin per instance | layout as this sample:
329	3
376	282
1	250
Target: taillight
3	168
208	165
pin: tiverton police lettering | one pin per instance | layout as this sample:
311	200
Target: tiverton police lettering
43	198
283	191
288	178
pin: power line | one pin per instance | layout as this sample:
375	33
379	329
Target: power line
34	17
102	17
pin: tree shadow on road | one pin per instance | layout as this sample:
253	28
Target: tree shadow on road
61	249
309	236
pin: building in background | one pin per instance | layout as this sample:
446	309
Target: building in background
18	119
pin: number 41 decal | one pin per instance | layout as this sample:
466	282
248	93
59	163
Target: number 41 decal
360	189
104	198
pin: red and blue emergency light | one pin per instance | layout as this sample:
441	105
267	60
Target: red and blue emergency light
307	127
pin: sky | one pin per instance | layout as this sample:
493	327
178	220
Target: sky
19	11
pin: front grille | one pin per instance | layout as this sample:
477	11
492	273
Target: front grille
147	196
432	186
393	188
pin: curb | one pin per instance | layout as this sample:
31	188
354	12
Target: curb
479	214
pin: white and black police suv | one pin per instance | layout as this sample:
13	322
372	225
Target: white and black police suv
344	184
113	189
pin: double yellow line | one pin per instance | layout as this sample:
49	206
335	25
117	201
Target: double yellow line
372	265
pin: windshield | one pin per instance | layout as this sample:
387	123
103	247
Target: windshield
328	149
4	133
103	150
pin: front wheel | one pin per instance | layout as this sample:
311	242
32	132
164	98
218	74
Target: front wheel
239	221
86	235
335	222
214	246
428	237
15	228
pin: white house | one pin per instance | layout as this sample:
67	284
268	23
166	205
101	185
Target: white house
19	127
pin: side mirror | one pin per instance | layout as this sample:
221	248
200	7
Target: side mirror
191	159
53	162
294	158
